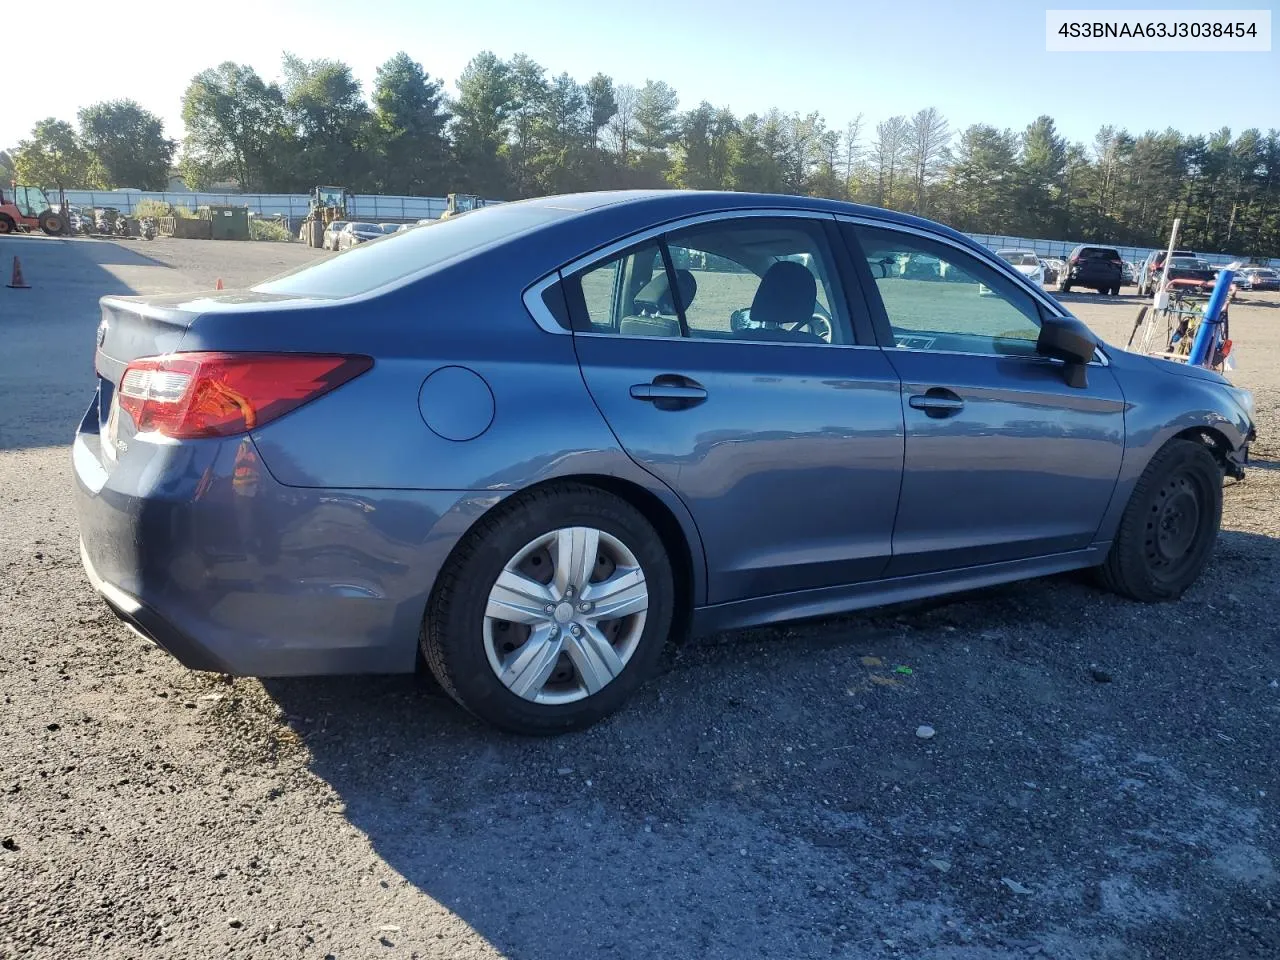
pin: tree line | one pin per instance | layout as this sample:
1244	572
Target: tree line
512	131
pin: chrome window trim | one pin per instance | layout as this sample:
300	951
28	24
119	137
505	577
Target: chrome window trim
533	302
744	342
650	233
1039	295
542	316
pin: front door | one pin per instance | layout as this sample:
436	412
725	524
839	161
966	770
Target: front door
724	360
1004	460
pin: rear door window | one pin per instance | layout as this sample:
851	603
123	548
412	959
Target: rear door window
763	279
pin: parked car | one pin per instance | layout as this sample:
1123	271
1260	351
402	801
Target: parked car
389	227
401	228
540	480
1127	273
358	232
1050	267
1025	262
330	239
1153	268
1258	278
1091	266
1192	268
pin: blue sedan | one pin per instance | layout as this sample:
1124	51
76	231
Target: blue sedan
529	446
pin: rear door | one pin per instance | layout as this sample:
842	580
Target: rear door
724	357
1004	461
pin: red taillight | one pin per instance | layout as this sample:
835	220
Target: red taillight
191	395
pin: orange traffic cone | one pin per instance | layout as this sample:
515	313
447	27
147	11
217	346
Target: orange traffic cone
16	281
218	285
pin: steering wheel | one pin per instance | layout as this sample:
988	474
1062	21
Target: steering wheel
818	325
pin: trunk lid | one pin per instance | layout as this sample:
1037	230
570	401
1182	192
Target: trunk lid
135	327
131	327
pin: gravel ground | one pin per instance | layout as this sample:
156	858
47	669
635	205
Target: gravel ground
1102	782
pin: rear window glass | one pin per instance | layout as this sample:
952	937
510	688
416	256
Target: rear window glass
367	267
1018	258
1099	253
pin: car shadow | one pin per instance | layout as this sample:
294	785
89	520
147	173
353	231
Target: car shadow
101	250
768	786
47	330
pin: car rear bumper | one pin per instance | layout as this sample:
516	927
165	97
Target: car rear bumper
1090	278
196	547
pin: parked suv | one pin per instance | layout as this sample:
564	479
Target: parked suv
1099	267
1153	267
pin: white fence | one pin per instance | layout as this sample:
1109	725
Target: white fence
292	205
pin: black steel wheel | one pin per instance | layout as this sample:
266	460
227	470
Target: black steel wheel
1169	526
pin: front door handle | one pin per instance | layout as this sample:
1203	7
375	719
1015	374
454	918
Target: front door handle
670	392
937	402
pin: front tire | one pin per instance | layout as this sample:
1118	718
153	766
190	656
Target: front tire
52	223
1064	287
551	611
1169	527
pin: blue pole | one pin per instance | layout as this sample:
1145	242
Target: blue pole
1202	351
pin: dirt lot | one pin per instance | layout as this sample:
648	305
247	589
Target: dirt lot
1103	783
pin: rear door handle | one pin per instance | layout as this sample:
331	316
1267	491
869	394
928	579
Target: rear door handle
670	392
663	391
937	402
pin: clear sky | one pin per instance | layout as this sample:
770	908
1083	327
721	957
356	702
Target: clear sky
974	60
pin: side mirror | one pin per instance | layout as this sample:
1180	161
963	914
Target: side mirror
1068	340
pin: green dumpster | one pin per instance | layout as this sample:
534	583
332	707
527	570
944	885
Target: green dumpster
230	223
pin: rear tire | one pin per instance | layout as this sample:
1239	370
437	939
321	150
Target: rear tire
1064	287
476	656
1169	526
6	224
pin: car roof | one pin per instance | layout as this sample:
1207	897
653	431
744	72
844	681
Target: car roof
545	234
619	212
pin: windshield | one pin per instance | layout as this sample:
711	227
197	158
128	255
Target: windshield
365	227
1187	263
1019	258
368	266
31	201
